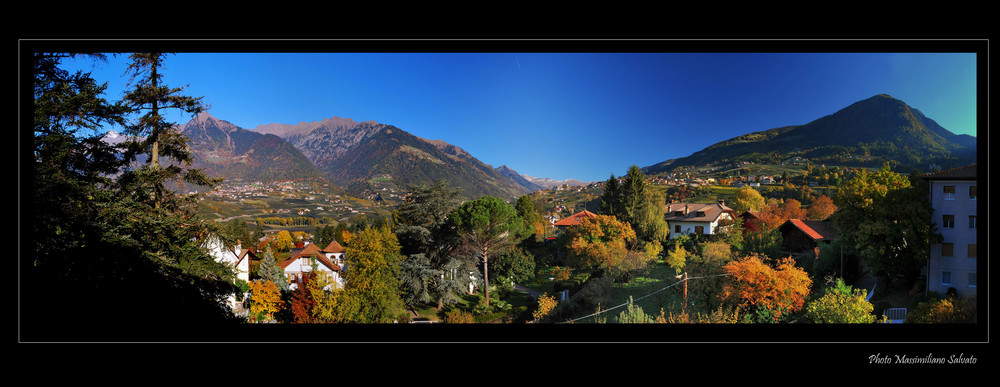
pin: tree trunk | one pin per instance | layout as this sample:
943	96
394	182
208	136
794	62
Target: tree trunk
486	276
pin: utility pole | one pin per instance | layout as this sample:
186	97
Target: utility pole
684	277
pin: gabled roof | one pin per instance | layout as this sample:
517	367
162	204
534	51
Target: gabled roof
311	250
249	253
967	172
576	218
689	212
333	247
815	229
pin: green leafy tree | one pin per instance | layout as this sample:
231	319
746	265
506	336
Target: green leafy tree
417	278
840	304
515	264
649	223
677	257
487	226
708	264
764	242
883	217
372	287
748	199
424	229
532	220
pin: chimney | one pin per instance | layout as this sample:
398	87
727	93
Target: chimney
685	209
722	202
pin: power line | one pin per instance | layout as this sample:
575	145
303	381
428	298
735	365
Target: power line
640	298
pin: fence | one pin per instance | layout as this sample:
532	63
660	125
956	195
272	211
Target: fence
894	315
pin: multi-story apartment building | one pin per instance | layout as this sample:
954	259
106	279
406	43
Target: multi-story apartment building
952	263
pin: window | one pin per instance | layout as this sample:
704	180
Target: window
972	192
678	213
949	192
972	250
948	221
945	278
700	214
699	229
947	249
677	228
972	280
972	221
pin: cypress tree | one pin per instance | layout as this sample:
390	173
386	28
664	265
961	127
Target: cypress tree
609	199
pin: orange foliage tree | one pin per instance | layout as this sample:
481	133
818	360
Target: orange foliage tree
599	242
775	212
772	291
821	208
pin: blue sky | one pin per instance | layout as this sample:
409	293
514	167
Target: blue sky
566	115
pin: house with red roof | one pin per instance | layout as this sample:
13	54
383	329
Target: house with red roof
326	261
574	220
806	235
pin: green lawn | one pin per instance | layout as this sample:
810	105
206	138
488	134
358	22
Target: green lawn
650	292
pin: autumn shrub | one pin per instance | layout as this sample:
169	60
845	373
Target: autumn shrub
458	316
769	292
717	316
944	311
841	305
546	304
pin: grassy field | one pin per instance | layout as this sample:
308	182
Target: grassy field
658	289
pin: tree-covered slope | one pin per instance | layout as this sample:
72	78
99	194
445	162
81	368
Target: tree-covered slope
880	128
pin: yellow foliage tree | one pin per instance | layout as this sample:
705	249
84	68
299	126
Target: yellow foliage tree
546	304
283	241
265	299
324	301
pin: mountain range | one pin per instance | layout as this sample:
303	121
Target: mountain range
226	150
871	131
361	157
365	158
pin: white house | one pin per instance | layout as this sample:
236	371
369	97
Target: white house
328	261
236	258
696	218
952	263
